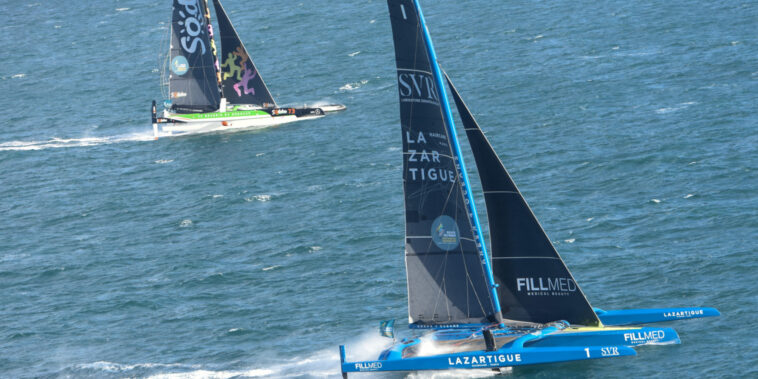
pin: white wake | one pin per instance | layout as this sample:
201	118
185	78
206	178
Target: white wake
319	364
55	143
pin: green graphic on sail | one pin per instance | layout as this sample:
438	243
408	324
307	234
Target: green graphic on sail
241	82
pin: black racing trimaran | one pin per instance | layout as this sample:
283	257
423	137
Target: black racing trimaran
522	308
208	94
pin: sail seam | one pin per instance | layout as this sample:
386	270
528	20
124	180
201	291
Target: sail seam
413	69
525	258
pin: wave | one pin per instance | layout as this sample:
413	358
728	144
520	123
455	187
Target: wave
55	143
353	86
322	364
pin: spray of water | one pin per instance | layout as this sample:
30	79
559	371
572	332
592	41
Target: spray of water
55	143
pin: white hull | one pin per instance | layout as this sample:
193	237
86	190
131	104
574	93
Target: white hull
331	107
223	124
238	117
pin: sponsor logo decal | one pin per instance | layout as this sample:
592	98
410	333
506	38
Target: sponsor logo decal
610	351
176	95
546	286
445	233
179	65
642	337
191	26
418	155
483	360
417	87
683	314
368	366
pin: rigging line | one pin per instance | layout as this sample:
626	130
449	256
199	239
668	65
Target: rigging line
413	69
526	258
444	206
468	278
469	214
419	152
423	237
443	267
440	291
469	281
458	185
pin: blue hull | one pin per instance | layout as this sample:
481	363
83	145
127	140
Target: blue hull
646	316
559	342
489	359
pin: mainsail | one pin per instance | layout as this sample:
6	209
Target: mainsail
449	283
240	81
192	79
534	283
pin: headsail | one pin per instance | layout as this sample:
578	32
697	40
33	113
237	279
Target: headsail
534	283
240	81
448	280
192	78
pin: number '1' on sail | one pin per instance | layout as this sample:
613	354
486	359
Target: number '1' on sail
524	308
447	273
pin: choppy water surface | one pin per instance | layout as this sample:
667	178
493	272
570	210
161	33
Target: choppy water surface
630	127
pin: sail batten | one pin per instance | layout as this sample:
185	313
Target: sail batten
241	82
192	75
448	283
534	284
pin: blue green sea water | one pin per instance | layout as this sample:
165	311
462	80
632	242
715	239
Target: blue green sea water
630	127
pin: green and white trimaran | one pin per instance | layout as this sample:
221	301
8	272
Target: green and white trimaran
204	95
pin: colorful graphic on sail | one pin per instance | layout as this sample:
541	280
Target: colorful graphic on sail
534	283
240	81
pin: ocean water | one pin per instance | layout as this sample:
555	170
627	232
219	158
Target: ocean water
630	127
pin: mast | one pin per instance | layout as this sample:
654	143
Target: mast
535	284
459	157
449	283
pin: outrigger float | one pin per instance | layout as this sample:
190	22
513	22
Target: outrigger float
204	95
522	306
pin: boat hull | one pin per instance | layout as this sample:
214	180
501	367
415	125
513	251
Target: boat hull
529	344
329	108
486	359
172	124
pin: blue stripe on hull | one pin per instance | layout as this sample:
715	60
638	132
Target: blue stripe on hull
625	337
501	358
644	316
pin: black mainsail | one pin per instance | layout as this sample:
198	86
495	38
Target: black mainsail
534	283
447	273
192	78
241	82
